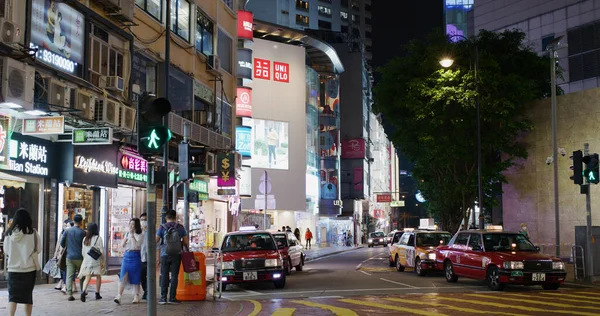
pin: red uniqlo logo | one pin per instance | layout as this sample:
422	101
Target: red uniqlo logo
262	69
281	72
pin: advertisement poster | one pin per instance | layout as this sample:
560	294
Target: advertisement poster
353	148
270	145
58	32
243	140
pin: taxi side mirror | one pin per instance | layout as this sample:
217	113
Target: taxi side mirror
537	248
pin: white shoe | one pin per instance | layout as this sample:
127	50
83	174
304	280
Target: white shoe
117	300
136	299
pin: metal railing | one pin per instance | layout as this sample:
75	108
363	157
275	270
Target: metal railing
578	262
217	281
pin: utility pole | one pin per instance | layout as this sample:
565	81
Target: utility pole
265	208
186	184
165	187
151	239
588	230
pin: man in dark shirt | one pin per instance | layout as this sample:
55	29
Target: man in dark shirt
72	239
169	263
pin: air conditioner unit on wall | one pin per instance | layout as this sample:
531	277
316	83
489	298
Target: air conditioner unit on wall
10	32
17	84
85	104
211	163
114	83
59	94
107	111
127	118
213	65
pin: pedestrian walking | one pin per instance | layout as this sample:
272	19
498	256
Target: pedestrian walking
297	234
173	238
144	255
93	260
308	237
22	247
58	252
72	239
131	266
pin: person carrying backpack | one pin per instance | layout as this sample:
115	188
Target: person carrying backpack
172	237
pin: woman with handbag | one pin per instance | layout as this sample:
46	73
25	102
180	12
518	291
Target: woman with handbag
93	260
22	248
131	267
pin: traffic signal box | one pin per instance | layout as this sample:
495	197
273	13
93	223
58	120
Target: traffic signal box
591	168
152	135
191	161
577	176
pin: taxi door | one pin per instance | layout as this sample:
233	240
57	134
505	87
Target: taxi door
295	249
410	251
405	245
475	261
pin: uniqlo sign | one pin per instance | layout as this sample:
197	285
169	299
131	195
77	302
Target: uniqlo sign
262	69
281	72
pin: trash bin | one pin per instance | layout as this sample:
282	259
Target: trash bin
192	286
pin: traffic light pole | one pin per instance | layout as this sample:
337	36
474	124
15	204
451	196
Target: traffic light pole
555	148
151	240
186	185
165	186
588	230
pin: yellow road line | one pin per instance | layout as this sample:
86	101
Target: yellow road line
338	311
521	300
257	308
561	296
588	293
456	308
284	312
500	305
390	307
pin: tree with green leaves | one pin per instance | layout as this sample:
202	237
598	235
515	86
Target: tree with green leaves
432	110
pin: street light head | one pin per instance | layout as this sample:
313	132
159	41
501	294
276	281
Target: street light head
446	62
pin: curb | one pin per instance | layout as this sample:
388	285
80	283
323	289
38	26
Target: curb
309	259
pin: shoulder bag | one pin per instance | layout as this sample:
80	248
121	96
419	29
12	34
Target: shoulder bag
95	252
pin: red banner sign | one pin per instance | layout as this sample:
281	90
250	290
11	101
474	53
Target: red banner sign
281	72
243	102
262	69
245	21
353	148
384	198
378	214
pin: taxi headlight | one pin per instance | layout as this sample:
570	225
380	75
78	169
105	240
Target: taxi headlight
272	263
227	265
514	265
370	239
431	256
558	265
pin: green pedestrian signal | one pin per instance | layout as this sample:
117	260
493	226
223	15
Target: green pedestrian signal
153	139
152	135
591	168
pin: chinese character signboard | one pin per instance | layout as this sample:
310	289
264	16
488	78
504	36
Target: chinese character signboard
353	148
132	170
243	140
200	188
243	102
397	204
95	165
384	198
92	136
281	72
244	69
245	21
225	170
262	69
30	155
379	213
44	125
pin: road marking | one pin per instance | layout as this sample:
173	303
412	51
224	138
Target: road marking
588	293
284	312
338	311
500	305
321	297
252	292
462	309
378	269
358	266
363	272
233	296
532	301
257	308
391	307
569	297
386	280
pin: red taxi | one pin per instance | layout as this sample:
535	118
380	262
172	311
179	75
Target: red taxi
500	258
251	257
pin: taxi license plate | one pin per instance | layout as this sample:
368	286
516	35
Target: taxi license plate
537	277
228	272
249	276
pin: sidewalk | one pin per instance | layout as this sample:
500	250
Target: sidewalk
318	252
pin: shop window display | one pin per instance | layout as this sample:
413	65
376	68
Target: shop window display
79	201
121	212
198	231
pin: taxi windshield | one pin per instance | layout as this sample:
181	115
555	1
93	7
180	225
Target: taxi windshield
432	239
377	234
248	242
507	242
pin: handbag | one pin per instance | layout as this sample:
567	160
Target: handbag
189	262
94	252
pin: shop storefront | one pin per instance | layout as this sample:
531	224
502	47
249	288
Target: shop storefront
26	164
198	230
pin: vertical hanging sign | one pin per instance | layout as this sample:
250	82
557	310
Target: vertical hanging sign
225	170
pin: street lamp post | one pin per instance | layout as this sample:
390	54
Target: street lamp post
447	62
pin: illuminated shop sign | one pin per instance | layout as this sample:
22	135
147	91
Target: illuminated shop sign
92	165
244	69
96	165
243	140
243	102
29	157
245	21
132	170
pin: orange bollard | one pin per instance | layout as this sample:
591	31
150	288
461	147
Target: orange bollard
192	286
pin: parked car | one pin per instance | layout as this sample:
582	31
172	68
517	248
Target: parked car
376	239
251	257
500	258
390	236
291	249
395	239
416	249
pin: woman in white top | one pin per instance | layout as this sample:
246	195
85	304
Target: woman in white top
21	246
131	267
90	266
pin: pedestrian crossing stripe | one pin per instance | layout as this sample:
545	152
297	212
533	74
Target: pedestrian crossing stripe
338	311
563	297
368	269
390	307
588	293
284	312
456	308
257	307
522	300
501	305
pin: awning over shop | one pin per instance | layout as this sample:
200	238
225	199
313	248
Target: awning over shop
10	181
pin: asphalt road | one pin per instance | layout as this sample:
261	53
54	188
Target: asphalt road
359	272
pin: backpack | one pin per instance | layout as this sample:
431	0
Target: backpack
172	239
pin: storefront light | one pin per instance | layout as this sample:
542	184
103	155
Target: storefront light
10	105
35	112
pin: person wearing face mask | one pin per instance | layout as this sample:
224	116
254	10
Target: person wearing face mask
143	252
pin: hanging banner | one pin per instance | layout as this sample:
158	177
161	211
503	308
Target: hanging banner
243	102
243	140
244	28
244	69
225	170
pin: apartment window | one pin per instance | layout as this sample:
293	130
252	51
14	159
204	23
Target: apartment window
105	59
143	73
152	7
344	15
325	11
355	18
328	1
584	52
224	51
302	5
355	6
368	21
301	19
324	25
546	40
204	33
344	3
229	3
180	18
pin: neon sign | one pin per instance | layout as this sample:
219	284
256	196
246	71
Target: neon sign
92	165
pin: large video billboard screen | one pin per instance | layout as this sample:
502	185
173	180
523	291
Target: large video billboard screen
271	145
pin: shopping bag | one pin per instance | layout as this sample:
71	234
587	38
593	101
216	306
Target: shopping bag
51	269
189	262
